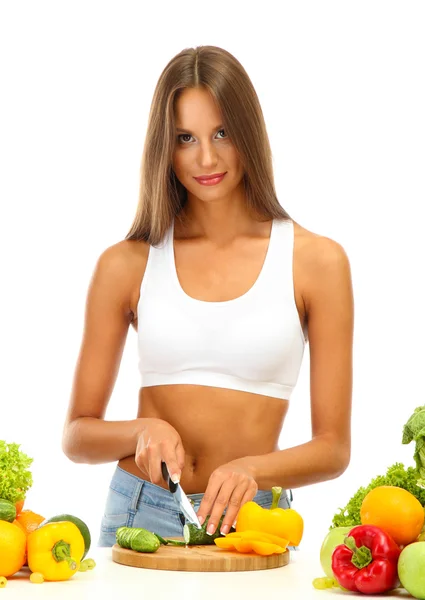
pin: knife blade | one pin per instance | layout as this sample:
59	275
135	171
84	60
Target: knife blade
180	498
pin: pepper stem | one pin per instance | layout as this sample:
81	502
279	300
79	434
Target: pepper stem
361	556
62	551
277	492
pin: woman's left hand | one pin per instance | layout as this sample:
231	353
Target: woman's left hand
230	485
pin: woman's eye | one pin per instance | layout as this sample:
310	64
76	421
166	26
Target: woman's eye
183	135
187	135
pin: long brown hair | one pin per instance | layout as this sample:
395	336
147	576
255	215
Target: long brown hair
161	195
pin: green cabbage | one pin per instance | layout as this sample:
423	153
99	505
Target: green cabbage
15	477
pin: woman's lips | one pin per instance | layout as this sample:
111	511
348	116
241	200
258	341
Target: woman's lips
212	181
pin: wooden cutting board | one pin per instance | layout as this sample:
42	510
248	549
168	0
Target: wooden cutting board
197	558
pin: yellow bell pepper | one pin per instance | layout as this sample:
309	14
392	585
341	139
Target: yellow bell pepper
260	536
55	550
248	545
283	522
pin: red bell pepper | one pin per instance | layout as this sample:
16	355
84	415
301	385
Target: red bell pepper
367	561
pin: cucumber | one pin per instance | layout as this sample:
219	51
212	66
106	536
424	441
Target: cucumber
161	539
79	523
199	537
137	538
7	511
170	542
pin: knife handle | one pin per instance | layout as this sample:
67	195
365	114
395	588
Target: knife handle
171	485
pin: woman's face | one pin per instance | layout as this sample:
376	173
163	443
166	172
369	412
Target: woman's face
203	147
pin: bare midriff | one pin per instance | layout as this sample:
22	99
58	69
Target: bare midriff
217	425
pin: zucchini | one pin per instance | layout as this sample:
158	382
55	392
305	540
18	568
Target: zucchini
199	537
137	538
7	511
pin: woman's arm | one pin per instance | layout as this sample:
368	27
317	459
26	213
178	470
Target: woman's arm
87	438
92	440
330	316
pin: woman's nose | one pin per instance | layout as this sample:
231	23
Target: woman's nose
208	155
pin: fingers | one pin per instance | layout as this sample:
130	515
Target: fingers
156	445
219	495
140	457
235	505
180	454
158	453
249	495
233	502
154	463
173	464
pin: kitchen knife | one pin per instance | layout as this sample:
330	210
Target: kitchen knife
180	498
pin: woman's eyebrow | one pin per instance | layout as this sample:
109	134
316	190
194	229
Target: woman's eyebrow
191	133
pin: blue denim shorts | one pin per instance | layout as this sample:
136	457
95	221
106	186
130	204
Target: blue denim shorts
135	502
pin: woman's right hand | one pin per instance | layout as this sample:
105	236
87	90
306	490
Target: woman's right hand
159	441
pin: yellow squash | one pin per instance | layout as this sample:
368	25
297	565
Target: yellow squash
55	550
282	522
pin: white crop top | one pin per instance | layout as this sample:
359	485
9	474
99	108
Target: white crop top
253	343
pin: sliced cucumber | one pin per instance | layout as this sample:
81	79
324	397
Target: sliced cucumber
161	539
175	543
169	542
138	539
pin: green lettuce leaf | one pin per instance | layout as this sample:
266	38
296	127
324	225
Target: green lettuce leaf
15	476
397	475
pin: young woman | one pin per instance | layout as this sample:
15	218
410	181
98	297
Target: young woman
224	289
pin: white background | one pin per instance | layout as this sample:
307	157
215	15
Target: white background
342	88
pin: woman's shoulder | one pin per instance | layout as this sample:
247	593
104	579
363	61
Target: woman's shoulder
320	263
120	268
315	250
124	256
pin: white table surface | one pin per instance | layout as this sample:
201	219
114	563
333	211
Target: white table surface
112	580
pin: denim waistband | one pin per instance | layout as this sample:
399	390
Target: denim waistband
140	490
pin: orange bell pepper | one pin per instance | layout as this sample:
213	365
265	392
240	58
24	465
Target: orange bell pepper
283	522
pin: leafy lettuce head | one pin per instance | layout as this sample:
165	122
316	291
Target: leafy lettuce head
15	477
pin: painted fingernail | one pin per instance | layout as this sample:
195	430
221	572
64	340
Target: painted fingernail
234	525
201	520
224	529
211	528
175	478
